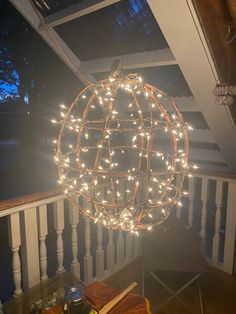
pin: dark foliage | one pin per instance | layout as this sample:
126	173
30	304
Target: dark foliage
29	64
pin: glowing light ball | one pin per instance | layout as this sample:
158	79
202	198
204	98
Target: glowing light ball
122	150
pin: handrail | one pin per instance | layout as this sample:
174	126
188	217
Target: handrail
36	199
33	200
223	176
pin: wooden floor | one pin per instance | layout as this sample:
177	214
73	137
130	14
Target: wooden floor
218	291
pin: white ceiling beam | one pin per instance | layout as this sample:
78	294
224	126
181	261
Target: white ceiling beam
184	104
197	136
182	30
212	167
77	10
206	155
145	59
202	136
51	37
200	154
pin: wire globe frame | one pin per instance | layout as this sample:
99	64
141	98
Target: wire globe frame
122	153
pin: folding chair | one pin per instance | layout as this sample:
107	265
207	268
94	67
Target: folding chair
173	248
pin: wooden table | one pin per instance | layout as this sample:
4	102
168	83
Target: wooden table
97	293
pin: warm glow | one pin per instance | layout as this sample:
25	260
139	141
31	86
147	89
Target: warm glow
122	150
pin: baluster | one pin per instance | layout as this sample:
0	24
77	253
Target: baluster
43	231
204	193
191	199
128	248
59	227
110	251
216	239
74	220
132	236
99	252
88	260
136	246
230	238
15	242
178	207
30	248
120	248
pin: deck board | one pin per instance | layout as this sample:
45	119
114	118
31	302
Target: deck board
218	289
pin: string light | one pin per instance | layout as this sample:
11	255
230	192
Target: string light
108	153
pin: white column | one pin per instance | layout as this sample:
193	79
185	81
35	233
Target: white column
43	231
74	220
110	251
120	249
59	227
191	199
230	231
216	239
99	252
15	242
30	248
204	194
88	260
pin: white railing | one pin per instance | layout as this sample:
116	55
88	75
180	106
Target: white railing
28	229
211	212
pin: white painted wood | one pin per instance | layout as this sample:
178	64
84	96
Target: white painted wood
204	195
74	220
145	59
58	212
207	155
230	230
202	155
21	208
178	211
77	10
198	135
136	246
120	249
43	231
128	246
183	32
88	260
30	248
99	252
178	208
202	136
15	242
191	200
110	251
216	238
184	104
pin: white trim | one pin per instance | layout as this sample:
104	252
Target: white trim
77	10
145	59
51	37
182	30
23	207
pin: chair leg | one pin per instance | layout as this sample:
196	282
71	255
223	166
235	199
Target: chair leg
174	295
200	296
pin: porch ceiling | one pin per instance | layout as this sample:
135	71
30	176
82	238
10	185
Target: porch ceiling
161	39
